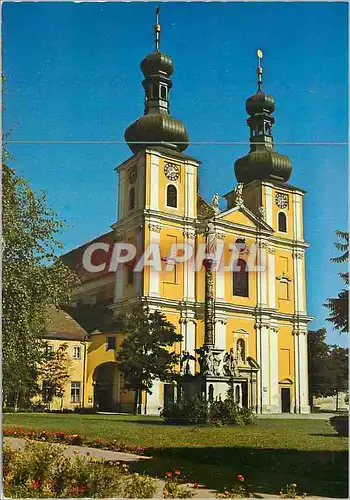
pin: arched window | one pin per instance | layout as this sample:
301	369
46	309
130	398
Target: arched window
171	196
240	279
268	128
240	350
163	92
132	198
282	222
261	130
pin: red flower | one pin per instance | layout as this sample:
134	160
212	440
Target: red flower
166	492
36	484
240	477
168	474
177	472
195	485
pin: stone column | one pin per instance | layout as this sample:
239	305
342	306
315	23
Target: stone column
261	273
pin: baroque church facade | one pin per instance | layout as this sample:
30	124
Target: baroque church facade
247	323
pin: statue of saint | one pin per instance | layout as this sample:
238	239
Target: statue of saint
215	203
238	190
230	364
185	363
261	212
210	239
239	351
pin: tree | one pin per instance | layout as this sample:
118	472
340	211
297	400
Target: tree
318	352
339	306
338	368
328	367
33	279
55	373
147	351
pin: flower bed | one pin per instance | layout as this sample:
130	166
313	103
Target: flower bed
73	439
44	471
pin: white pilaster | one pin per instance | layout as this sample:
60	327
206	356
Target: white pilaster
191	342
303	367
154	400
189	268
154	278
274	388
262	274
121	195
190	198
298	223
272	278
139	275
154	182
118	291
141	183
297	371
269	205
299	299
220	334
265	368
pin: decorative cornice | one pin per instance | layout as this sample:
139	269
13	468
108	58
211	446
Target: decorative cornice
271	250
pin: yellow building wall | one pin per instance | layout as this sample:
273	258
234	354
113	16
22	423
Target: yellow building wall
284	290
76	374
286	353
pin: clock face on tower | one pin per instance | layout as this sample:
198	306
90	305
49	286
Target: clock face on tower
281	200
171	171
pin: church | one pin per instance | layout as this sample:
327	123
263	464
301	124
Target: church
242	316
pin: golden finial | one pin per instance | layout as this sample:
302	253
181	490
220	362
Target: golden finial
259	69
157	29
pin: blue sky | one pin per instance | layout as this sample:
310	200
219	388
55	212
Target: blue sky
73	74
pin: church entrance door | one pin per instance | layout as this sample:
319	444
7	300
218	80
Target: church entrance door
285	399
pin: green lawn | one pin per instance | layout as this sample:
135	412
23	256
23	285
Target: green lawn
269	454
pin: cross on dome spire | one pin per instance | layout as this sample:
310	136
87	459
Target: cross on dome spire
259	68
157	30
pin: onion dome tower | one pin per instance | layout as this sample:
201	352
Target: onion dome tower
262	162
157	126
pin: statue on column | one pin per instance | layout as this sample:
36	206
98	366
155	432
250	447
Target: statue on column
215	203
206	360
238	190
185	367
210	238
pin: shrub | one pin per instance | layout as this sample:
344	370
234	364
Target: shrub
186	412
238	490
43	471
229	413
85	410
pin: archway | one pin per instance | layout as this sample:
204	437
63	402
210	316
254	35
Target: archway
106	386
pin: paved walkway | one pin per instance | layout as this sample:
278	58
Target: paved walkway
201	492
297	416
